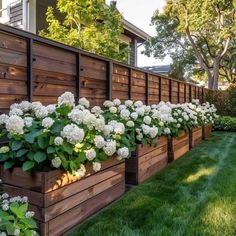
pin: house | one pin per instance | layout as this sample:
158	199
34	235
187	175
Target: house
162	69
29	15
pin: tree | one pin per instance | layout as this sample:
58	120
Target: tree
205	28
87	24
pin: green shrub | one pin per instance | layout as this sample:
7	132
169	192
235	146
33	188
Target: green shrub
226	123
225	101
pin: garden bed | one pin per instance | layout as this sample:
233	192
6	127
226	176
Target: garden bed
146	161
206	131
178	146
195	136
61	200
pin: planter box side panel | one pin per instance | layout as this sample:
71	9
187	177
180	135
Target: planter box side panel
178	146
75	216
195	136
45	182
207	129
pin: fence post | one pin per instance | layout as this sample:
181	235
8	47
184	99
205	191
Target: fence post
178	92
147	88
130	83
203	94
190	93
185	92
170	90
109	80
78	82
160	89
30	69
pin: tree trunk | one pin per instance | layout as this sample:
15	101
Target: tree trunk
216	68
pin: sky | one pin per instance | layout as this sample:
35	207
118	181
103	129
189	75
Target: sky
139	12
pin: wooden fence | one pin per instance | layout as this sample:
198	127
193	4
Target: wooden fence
36	69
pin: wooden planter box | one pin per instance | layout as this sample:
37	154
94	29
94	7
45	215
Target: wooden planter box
60	200
195	136
177	147
146	161
206	131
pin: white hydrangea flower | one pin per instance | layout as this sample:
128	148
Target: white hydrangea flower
108	129
130	123
123	152
125	114
16	111
97	166
99	124
76	116
67	99
29	214
108	104
90	120
140	111
5	196
99	141
96	110
139	137
81	171
41	112
113	110
167	131
119	128
51	108
5	207
47	122
4	149
153	132
3	119
28	121
134	115
16	232
138	104
129	103
145	128
15	105
161	124
147	120
73	133
110	148
3	234
90	154
58	141
25	106
121	107
178	125
35	105
116	102
56	162
15	125
84	102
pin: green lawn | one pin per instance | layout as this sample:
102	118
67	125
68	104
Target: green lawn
195	195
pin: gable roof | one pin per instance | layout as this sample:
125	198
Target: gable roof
134	32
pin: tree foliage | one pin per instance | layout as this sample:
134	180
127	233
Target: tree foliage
87	24
200	31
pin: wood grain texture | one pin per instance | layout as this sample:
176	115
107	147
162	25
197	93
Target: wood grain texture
206	131
178	146
60	200
146	162
195	136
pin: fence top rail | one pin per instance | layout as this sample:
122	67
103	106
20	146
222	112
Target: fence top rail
37	38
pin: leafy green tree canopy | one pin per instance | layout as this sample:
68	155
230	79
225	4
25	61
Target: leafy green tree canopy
87	24
203	28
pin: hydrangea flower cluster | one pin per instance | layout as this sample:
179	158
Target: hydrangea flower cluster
68	135
15	217
60	136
